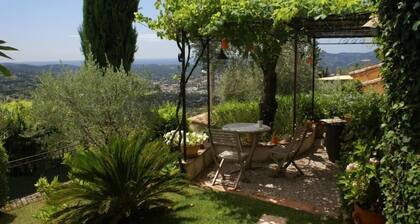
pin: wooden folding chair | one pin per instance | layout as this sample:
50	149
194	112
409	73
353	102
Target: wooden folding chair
227	147
301	146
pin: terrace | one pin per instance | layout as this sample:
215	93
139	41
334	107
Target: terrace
302	157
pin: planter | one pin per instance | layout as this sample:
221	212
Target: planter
333	129
192	151
364	216
275	140
319	129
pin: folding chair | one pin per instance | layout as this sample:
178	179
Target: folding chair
227	147
301	146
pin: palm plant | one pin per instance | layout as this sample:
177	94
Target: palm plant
117	183
3	69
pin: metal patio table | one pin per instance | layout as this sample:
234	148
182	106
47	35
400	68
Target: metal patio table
253	129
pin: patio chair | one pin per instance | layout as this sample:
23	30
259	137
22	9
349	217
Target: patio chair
302	145
227	147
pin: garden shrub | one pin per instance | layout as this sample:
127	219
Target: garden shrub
116	183
93	105
3	177
20	134
166	119
233	111
359	183
365	125
400	170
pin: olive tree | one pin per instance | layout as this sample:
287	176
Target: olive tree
92	106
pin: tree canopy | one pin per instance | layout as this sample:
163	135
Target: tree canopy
107	32
216	17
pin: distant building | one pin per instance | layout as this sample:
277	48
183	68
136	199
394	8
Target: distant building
336	77
370	78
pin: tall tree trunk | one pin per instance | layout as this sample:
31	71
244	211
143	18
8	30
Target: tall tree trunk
268	104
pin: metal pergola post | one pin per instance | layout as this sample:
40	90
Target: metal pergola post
295	81
183	95
313	77
208	86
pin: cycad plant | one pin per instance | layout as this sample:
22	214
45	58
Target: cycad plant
4	70
118	183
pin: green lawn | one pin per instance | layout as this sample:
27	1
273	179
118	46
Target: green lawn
201	206
22	215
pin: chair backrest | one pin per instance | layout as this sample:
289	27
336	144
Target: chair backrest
304	143
221	138
297	139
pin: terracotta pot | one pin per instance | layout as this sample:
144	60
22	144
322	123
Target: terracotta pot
275	140
364	216
192	151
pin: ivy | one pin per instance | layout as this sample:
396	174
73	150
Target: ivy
400	172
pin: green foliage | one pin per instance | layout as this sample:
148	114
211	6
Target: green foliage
117	183
231	112
93	105
360	181
240	81
286	10
364	128
285	68
47	188
399	47
107	32
44	187
4	70
20	134
3	178
166	119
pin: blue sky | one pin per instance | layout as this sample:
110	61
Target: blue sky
47	30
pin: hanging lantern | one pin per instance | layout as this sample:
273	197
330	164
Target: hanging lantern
309	61
224	44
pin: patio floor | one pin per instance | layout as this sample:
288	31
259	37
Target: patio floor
314	192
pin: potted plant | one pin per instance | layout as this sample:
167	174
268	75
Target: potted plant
360	185
194	141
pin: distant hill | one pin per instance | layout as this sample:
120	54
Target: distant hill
22	69
26	75
345	60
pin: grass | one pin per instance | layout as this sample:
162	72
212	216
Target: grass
204	206
199	206
22	215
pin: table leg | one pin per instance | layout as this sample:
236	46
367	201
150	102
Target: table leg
253	147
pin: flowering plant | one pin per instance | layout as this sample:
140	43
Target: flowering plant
193	138
359	182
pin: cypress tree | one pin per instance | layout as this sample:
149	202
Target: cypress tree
108	33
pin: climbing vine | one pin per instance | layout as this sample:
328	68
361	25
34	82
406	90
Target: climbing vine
400	49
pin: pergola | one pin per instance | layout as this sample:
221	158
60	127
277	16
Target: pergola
332	26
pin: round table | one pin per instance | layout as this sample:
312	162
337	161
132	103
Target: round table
253	130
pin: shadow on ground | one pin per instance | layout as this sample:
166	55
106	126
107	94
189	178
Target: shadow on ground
6	218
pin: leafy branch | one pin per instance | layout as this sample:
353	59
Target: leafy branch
3	69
